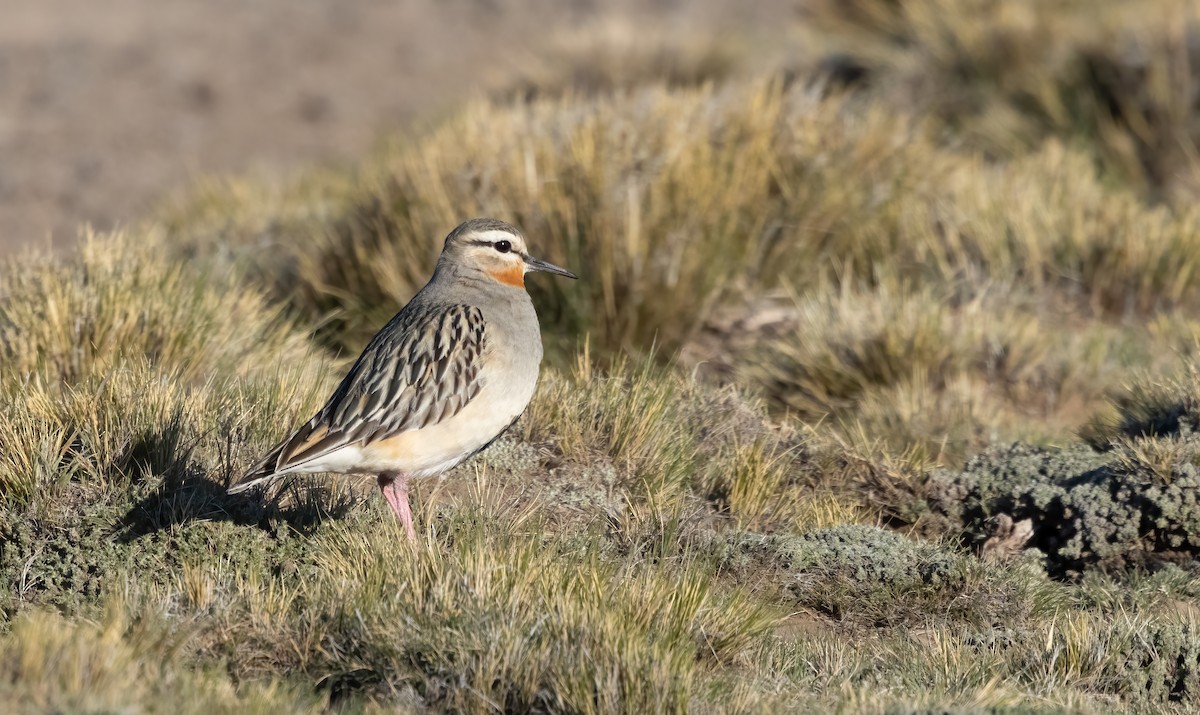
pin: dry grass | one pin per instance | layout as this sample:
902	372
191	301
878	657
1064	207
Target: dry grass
49	664
939	278
584	566
1116	79
801	310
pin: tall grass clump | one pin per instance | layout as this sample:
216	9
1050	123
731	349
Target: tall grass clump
1150	406
118	298
124	663
588	413
723	198
119	360
946	372
1115	79
681	448
587	190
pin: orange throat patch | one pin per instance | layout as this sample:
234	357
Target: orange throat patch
514	276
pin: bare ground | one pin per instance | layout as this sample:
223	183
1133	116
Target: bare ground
105	108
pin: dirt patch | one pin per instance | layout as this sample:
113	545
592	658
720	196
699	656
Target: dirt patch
107	108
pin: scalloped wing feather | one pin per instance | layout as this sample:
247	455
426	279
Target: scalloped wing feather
421	369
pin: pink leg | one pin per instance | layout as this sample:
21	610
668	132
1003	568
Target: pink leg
395	490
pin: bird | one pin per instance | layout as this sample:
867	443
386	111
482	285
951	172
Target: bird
439	383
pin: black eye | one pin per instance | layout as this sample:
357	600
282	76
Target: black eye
503	246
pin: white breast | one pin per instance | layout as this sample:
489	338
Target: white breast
432	450
510	370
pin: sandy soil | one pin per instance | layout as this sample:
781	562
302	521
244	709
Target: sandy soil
108	107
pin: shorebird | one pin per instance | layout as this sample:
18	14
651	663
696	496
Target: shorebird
439	383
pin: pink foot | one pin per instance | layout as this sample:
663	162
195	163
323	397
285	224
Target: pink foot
395	490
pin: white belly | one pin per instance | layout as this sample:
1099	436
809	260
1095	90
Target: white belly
508	385
431	450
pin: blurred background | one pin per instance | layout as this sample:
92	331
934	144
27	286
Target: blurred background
105	108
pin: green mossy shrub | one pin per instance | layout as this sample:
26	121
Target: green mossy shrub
73	558
1088	509
852	572
1163	665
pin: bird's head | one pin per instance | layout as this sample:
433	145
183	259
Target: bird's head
496	249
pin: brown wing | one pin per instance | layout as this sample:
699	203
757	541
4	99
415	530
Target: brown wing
422	368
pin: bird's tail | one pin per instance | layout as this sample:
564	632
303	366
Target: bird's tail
261	473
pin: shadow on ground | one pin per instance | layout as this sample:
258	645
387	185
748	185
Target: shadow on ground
189	492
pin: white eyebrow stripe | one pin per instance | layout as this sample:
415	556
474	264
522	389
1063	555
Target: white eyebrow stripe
494	236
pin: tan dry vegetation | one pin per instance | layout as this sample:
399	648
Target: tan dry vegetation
767	451
918	275
1117	79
